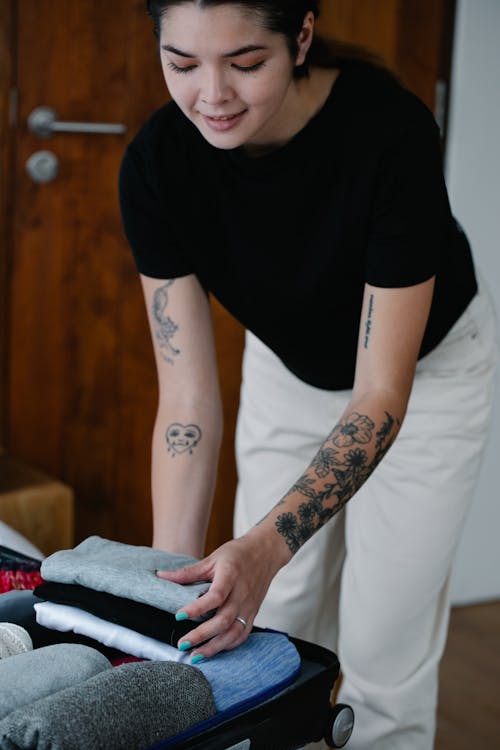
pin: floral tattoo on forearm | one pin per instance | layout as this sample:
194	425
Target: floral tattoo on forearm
336	472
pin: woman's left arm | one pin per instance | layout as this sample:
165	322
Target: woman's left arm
392	326
391	330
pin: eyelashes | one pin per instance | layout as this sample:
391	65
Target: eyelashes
249	68
177	69
189	68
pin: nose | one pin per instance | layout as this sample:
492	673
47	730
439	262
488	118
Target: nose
215	88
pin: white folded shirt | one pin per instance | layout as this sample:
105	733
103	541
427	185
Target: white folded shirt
66	618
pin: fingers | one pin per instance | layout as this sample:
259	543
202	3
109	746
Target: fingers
221	633
232	592
200	571
224	642
214	598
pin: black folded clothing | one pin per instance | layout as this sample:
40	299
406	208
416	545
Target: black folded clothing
142	618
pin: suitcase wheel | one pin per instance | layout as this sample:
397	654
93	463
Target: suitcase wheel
340	725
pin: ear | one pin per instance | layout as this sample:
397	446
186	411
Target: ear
305	37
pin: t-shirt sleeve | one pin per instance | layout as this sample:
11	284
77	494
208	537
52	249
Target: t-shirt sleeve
411	214
153	235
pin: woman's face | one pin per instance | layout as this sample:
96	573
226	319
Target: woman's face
228	74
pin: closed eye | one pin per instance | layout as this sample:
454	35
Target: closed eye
179	69
250	68
241	68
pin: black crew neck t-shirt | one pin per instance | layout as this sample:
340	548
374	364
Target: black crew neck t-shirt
287	240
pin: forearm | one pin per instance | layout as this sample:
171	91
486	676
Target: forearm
345	461
185	451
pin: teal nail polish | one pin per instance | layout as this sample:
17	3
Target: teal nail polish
185	646
196	659
181	616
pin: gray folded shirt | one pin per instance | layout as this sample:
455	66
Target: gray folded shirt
124	570
132	706
27	677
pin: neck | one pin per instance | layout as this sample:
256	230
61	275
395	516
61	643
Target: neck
306	99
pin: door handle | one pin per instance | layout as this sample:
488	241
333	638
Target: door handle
44	123
43	166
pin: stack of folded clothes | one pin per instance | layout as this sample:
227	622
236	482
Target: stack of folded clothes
108	592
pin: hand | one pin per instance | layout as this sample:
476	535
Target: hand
241	572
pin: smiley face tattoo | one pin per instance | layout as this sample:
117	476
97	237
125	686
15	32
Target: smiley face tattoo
182	438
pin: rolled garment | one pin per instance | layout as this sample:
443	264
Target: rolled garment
18	607
65	618
123	570
13	640
150	621
27	677
132	706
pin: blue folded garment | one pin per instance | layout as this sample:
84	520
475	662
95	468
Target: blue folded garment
260	666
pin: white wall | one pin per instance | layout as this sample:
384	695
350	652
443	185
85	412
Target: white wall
473	179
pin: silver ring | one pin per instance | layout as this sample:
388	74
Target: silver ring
242	620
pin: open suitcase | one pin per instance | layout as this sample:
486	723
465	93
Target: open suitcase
285	719
298	714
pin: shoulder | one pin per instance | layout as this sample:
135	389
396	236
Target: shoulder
375	100
163	125
159	141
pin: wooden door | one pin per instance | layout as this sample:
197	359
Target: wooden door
79	374
413	37
72	287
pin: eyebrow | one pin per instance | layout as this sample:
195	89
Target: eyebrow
233	53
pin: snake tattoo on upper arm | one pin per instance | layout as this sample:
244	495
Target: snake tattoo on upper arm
166	328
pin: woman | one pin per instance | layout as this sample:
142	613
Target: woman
304	189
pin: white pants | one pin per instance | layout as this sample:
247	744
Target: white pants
372	584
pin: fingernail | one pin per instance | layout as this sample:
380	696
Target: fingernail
196	659
185	646
181	616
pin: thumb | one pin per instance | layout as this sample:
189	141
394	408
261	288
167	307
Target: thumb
190	574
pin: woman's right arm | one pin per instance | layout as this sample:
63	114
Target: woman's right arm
189	424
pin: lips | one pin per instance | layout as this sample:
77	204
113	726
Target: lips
223	122
224	117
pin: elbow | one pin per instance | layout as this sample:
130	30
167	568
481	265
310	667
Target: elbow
393	399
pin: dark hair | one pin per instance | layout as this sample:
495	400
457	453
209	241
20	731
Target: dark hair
282	17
